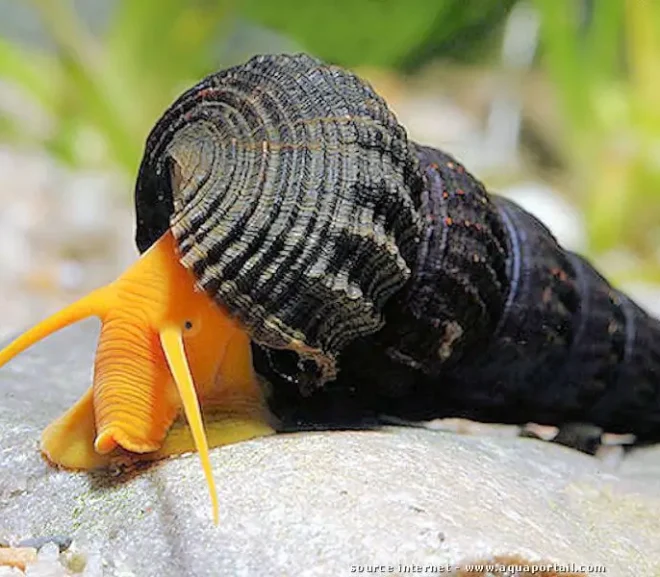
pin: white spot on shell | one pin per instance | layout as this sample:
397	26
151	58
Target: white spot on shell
453	332
354	292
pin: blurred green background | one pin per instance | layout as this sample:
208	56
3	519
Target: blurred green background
562	94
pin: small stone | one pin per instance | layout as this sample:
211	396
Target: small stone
469	427
63	542
17	556
613	439
582	436
536	431
74	561
48	563
11	572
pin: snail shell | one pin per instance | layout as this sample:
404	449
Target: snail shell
382	268
497	323
288	185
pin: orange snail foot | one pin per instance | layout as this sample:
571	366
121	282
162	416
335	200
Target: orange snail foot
113	437
220	431
69	440
72	441
165	349
232	408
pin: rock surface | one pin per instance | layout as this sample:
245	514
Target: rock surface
322	503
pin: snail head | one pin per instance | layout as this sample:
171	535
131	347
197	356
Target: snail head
164	347
276	201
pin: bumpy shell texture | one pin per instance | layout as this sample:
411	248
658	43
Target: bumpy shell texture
382	269
498	323
289	187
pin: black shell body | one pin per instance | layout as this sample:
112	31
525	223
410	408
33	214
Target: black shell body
289	177
377	276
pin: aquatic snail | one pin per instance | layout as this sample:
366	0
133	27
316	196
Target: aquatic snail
304	264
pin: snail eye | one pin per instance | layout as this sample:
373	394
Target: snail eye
191	327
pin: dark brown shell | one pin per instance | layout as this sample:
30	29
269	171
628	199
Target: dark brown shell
299	204
289	187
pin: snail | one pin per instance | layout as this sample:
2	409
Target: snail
304	264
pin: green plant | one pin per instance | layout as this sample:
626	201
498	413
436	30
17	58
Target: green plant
103	94
605	68
385	33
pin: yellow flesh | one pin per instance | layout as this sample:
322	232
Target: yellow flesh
176	358
164	346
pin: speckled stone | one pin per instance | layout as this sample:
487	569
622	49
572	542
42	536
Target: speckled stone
319	503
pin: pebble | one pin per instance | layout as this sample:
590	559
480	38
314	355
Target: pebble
41	557
544	432
469	427
17	556
63	542
74	561
47	564
10	572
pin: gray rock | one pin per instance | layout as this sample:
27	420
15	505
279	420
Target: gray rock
62	542
322	503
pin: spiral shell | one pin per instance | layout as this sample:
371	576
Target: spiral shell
497	323
455	298
381	268
288	185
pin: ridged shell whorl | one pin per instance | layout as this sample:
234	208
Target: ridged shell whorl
288	185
